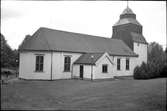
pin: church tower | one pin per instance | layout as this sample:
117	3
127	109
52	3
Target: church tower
129	30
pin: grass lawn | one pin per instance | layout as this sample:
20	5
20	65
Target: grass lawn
113	95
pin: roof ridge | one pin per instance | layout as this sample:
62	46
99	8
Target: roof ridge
76	33
95	52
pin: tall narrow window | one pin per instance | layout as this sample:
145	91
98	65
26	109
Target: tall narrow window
127	64
67	63
104	68
118	64
39	63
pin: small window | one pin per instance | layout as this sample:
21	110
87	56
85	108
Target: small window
127	64
67	63
105	68
39	63
118	64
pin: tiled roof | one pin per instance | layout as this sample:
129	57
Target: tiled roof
88	58
45	39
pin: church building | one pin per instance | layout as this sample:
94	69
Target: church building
51	54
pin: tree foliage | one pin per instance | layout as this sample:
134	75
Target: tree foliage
9	57
155	52
156	66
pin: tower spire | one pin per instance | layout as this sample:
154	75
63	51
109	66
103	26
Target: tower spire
127	4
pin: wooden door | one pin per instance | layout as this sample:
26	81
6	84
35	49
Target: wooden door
81	71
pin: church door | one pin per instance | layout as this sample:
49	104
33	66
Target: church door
81	71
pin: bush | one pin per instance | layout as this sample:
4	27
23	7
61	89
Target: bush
163	72
141	72
156	66
150	70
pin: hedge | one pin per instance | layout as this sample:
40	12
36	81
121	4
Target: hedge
150	70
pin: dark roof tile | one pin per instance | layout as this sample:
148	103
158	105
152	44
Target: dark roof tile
87	58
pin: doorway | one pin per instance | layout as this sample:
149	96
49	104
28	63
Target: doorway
81	71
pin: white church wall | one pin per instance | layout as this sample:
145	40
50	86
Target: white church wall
58	64
98	74
75	72
28	61
95	69
141	50
123	71
27	66
87	71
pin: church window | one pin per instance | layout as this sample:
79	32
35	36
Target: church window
118	64
104	68
39	63
127	64
67	63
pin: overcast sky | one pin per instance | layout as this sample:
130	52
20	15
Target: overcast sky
20	18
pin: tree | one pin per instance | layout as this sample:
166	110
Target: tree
156	55
8	56
15	61
164	69
155	52
156	65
